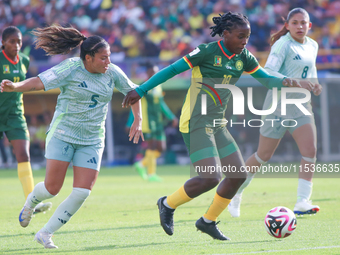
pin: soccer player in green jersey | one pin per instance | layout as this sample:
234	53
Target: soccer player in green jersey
77	131
292	54
153	108
12	120
209	145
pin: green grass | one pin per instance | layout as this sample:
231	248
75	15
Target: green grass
121	217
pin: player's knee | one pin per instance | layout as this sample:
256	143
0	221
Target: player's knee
263	156
309	151
210	183
52	188
22	156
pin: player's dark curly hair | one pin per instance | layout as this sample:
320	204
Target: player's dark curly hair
9	31
228	21
61	40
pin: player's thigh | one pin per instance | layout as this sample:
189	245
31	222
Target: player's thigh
203	152
305	136
84	177
19	139
232	162
55	175
58	155
267	147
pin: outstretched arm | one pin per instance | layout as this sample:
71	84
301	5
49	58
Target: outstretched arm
162	76
23	86
271	81
136	127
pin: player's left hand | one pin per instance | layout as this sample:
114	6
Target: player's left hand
131	98
317	89
7	86
136	131
288	82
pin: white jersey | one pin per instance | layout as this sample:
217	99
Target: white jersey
289	58
82	105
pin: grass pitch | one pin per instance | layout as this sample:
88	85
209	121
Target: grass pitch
121	217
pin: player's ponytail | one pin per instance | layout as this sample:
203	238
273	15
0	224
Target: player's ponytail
61	40
227	21
276	36
56	39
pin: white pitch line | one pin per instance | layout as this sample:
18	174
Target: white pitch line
269	251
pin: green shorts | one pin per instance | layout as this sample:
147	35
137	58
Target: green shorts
15	127
276	129
156	131
207	142
16	134
87	156
158	135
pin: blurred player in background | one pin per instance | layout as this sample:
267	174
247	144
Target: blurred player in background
77	131
219	62
293	54
14	66
153	108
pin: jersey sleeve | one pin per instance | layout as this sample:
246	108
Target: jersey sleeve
251	63
55	76
276	58
122	83
196	57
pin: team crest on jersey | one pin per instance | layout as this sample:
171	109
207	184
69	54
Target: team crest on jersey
239	65
218	61
110	83
6	68
209	130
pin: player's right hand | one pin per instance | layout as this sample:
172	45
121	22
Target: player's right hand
7	86
131	98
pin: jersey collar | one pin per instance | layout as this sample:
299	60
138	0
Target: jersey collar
226	52
10	60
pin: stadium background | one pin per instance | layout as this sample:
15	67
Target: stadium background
161	31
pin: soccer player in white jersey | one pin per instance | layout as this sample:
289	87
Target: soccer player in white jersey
77	131
292	54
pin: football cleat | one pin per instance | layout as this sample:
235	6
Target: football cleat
305	207
45	239
42	207
154	178
141	170
211	229
166	216
234	206
25	216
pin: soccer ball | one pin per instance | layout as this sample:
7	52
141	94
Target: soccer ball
280	222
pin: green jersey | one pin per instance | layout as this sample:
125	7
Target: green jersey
296	60
212	64
11	104
153	107
82	105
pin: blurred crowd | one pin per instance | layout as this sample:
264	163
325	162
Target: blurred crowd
164	29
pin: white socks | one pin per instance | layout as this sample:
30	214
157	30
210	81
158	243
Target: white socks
67	209
304	190
38	194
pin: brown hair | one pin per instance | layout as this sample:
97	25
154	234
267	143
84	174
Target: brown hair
276	36
61	40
